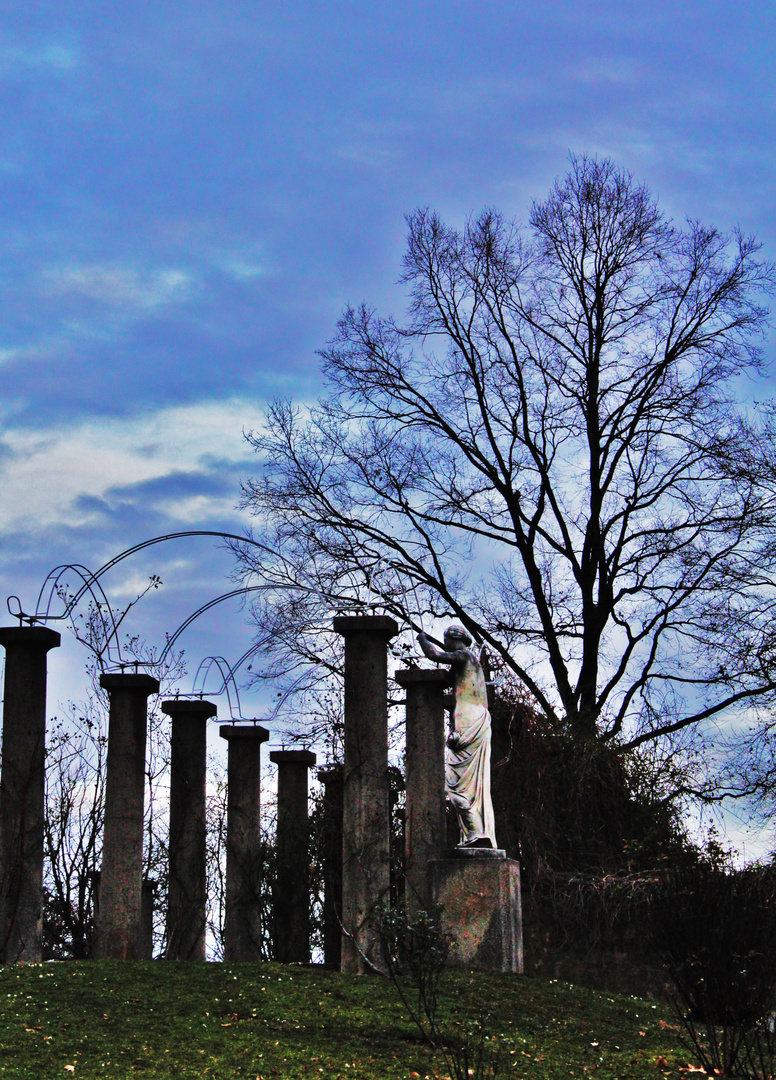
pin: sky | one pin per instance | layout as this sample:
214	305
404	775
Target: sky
192	192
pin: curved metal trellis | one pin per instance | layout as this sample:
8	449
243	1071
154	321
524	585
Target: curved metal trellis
52	590
102	609
43	614
228	673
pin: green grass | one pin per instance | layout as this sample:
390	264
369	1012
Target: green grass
157	1019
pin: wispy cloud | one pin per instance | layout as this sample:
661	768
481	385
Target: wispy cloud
79	475
48	57
612	71
125	288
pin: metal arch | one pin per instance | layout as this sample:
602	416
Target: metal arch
91	585
92	578
200	611
228	677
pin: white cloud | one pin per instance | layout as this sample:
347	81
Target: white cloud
123	287
52	57
611	70
242	268
43	475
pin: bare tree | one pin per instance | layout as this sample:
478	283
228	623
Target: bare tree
553	449
75	803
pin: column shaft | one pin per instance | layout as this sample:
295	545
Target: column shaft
119	931
366	827
22	791
187	892
291	894
242	922
425	828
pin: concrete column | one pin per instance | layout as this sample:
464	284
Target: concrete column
119	929
22	791
291	895
242	922
330	840
425	827
366	827
187	890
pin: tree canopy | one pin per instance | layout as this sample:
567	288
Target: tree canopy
556	448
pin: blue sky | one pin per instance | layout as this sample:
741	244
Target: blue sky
191	192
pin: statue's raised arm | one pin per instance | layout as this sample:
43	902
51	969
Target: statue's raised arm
467	772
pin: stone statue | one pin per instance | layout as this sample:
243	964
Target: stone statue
467	767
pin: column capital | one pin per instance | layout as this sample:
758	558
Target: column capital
243	731
139	682
299	757
189	707
383	625
41	636
414	676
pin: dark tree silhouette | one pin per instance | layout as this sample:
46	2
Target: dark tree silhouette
552	450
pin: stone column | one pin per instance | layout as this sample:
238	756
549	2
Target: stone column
242	922
425	827
119	931
330	840
22	791
366	827
291	895
187	891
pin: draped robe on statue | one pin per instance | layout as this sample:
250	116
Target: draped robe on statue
467	775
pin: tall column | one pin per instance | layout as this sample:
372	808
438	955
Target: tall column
291	899
187	891
366	827
425	828
22	791
242	922
119	931
330	840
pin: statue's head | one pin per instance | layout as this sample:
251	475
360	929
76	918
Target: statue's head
455	637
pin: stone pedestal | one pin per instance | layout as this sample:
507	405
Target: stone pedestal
479	891
187	893
291	895
366	829
330	840
119	930
242	921
424	822
22	791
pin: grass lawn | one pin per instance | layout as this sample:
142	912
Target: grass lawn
224	1021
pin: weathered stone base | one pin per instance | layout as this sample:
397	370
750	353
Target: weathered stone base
479	890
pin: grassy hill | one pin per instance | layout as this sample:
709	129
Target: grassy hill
228	1021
